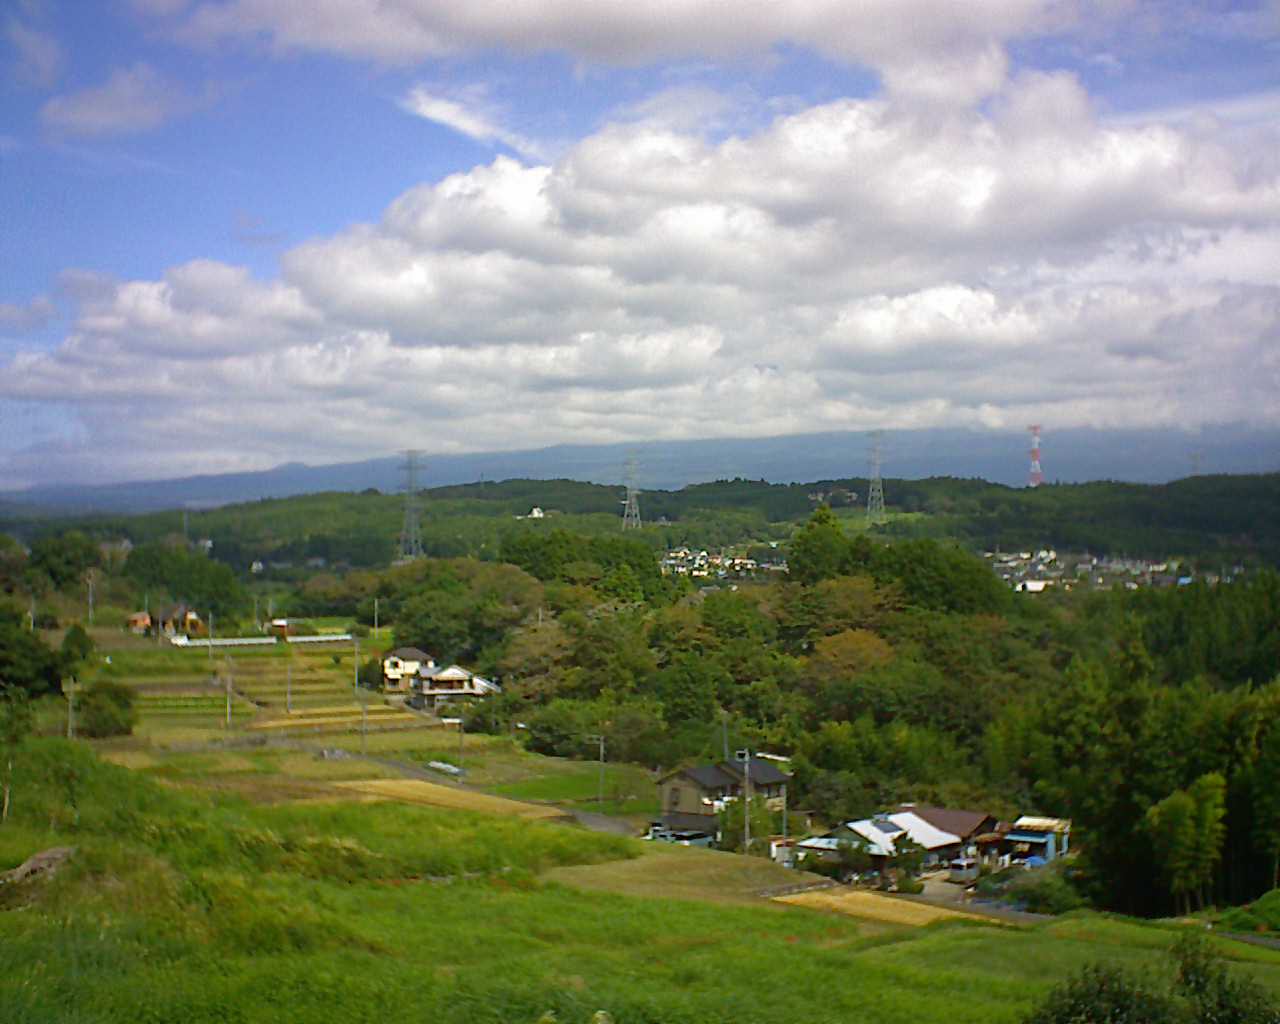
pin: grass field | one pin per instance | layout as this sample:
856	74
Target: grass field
199	907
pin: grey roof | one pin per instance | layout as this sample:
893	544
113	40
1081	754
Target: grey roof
409	654
728	774
763	773
710	776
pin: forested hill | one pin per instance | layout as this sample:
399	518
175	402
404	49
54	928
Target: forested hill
1215	518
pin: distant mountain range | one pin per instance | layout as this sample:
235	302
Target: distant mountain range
1068	456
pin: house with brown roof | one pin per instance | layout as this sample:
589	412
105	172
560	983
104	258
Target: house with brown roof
967	825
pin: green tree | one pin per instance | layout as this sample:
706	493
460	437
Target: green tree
15	725
77	648
64	557
1266	801
26	661
105	709
1209	793
1171	825
733	829
820	550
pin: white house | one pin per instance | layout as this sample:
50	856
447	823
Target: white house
881	835
434	685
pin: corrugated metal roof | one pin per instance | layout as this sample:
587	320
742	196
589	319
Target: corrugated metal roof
1043	824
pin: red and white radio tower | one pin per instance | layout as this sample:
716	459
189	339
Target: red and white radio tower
1036	477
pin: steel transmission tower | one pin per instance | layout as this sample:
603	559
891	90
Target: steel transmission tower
875	489
411	531
631	504
1036	477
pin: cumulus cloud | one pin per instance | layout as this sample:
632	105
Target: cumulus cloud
852	265
131	100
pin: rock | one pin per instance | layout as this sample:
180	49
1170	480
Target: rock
46	862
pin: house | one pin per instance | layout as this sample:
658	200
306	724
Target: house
693	797
1030	836
138	622
179	619
968	825
881	836
401	665
432	686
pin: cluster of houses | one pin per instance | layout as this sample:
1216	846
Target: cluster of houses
961	840
174	620
702	565
957	840
1034	572
414	674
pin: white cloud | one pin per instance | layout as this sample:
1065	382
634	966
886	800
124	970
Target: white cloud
131	100
39	55
25	316
943	52
470	116
856	264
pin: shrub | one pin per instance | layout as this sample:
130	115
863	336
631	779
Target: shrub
1262	915
1102	993
1045	891
1202	993
106	709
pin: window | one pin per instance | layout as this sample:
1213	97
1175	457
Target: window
673	798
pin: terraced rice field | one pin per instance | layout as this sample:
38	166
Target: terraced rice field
429	794
339	719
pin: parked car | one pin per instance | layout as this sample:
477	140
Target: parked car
660	834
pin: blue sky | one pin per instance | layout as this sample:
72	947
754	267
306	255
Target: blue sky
262	230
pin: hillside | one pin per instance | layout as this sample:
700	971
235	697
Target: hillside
179	905
1220	519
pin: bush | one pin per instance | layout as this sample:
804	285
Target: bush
106	709
1044	891
1202	993
1262	915
1102	993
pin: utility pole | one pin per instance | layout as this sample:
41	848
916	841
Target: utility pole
355	667
744	758
364	725
70	687
375	614
228	681
598	738
88	578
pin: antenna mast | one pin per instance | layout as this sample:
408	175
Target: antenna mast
411	532
1035	478
875	490
631	504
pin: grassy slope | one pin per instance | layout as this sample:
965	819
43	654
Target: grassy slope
185	906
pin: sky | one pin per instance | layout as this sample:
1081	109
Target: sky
235	233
